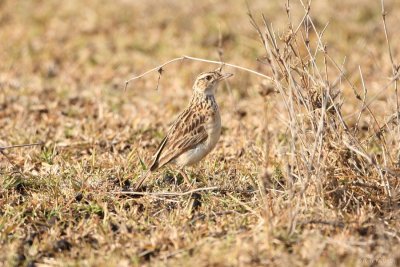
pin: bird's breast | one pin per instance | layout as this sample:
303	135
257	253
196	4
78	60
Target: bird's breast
213	130
213	127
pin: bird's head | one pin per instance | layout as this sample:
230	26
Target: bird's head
207	82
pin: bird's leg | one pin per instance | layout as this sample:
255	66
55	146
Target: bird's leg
141	181
184	175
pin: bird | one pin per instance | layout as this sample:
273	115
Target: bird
195	132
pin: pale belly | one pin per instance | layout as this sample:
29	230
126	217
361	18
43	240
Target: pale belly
196	154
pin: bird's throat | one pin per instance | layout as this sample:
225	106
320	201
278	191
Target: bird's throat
202	96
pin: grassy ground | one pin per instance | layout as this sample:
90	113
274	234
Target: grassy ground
301	180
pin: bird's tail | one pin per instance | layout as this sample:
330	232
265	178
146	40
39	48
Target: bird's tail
142	179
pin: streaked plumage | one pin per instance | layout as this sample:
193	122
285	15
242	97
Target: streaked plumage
196	130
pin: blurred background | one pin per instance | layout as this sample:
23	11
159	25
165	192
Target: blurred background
63	66
54	54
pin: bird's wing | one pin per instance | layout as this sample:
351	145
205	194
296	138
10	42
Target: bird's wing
187	132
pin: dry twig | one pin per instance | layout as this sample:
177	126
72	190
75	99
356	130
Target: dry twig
166	194
160	67
19	146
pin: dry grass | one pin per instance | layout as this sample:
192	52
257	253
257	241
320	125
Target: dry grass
306	171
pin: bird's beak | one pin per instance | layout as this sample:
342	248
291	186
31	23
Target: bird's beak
224	76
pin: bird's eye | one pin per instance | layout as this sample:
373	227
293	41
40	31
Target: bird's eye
208	77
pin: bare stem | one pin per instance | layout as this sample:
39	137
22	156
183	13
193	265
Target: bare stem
18	146
394	67
197	59
166	194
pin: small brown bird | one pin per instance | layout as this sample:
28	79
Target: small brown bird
196	130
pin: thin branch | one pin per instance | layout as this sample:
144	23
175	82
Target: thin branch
166	194
373	162
386	32
375	96
392	119
363	99
196	59
18	146
395	69
365	105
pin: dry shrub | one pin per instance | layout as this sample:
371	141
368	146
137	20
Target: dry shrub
326	157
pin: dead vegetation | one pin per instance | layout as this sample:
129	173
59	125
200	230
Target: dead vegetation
306	171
